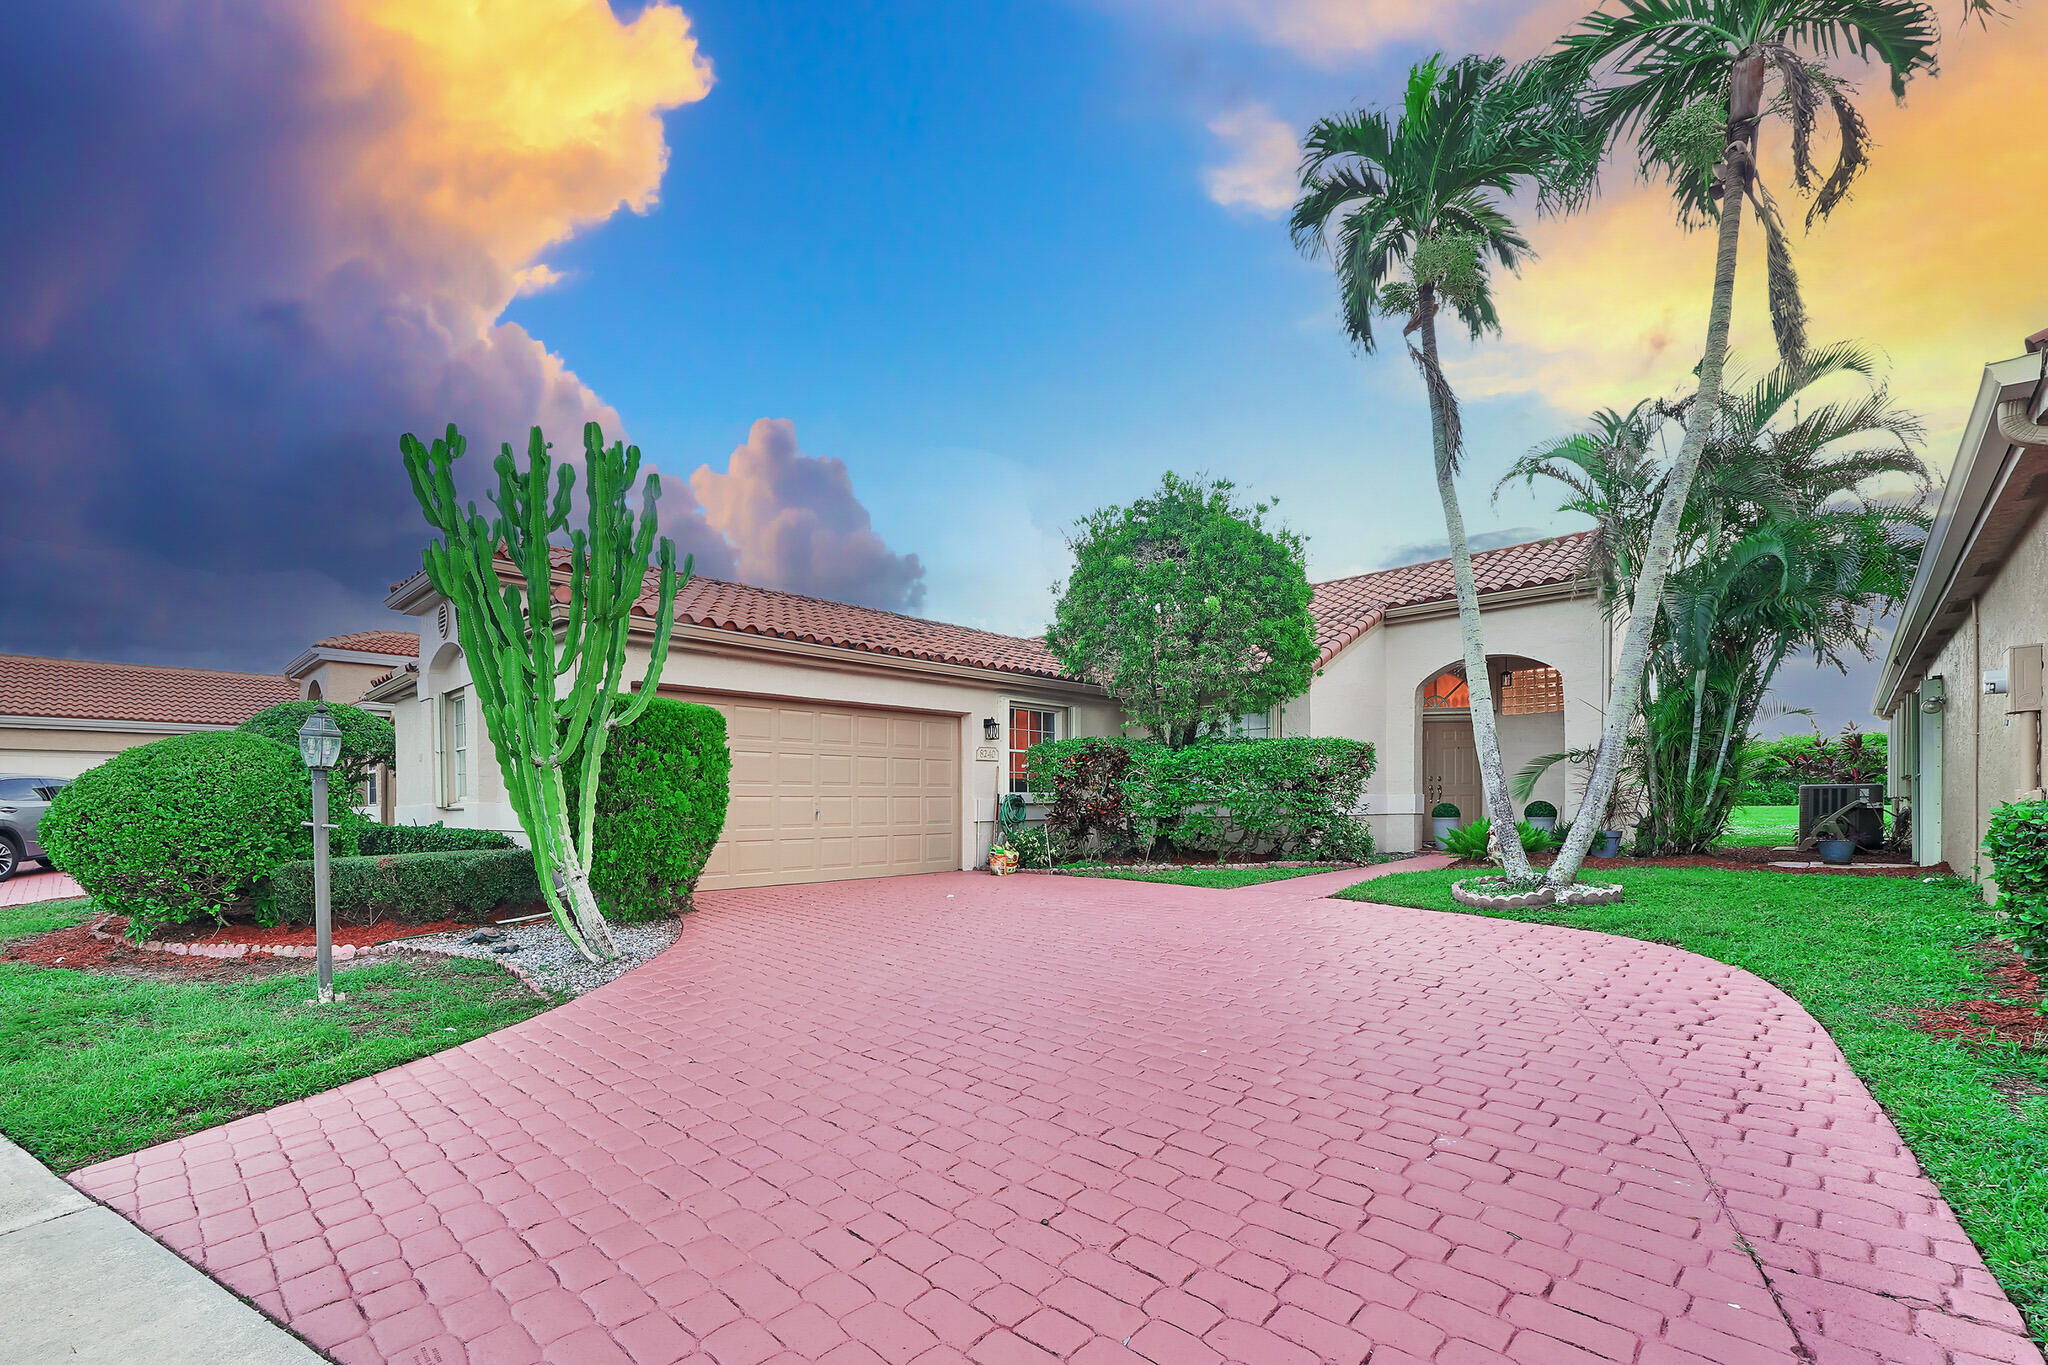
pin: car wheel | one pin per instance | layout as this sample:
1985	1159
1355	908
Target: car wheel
10	857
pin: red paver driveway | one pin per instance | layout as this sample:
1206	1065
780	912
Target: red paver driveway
43	884
1007	1120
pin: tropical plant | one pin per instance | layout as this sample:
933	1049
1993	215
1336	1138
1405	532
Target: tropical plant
1187	608
1472	841
367	739
1408	206
2017	843
549	674
1802	530
1687	80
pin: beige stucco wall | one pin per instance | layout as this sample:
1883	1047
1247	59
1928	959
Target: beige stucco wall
68	752
341	680
763	670
1984	748
1369	692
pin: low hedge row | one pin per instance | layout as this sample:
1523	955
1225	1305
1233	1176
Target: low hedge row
411	888
377	840
1258	797
2017	842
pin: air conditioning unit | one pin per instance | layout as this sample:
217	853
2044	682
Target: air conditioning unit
1819	800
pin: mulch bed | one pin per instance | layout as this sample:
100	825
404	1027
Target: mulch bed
75	949
1757	858
296	935
2012	1016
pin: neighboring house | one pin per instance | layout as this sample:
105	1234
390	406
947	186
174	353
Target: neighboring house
59	717
1962	683
341	668
867	743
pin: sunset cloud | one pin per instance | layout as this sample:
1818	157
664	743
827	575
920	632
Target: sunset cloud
1263	152
794	523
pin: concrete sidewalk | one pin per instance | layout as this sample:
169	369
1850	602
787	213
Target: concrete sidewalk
84	1285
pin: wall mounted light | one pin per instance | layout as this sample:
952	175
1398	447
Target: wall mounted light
990	730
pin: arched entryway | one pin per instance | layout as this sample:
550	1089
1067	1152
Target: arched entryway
1528	697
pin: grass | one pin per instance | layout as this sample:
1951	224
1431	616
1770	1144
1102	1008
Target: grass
1859	955
1751	825
92	1066
1218	878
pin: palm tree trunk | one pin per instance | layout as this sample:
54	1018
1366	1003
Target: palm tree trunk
1626	692
1478	682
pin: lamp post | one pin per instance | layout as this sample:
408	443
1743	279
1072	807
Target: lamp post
320	746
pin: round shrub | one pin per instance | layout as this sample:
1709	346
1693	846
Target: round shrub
367	739
661	798
1538	809
1444	810
182	828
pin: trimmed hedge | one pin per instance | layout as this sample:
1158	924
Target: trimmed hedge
377	840
2017	841
1281	798
183	828
661	798
411	888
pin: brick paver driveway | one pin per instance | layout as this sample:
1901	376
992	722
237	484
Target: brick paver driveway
1035	1118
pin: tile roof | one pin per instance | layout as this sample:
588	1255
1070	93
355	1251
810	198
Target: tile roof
1346	608
374	642
85	689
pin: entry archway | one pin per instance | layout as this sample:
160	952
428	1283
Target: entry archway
1528	698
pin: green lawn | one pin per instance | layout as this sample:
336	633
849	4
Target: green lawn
1858	955
92	1066
1219	878
1762	825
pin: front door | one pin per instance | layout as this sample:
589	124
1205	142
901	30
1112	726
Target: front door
1450	767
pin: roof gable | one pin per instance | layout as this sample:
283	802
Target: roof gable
1346	608
395	642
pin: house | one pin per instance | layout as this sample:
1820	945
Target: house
59	717
867	743
1962	682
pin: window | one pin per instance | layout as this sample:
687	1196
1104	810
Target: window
454	746
1529	691
1251	725
369	792
19	789
1028	726
1447	692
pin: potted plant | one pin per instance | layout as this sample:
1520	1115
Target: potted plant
1541	814
1831	836
1003	856
1443	818
1002	860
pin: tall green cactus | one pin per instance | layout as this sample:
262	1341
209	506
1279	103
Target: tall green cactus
550	695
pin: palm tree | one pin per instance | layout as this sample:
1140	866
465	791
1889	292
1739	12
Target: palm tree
1789	544
1414	204
1687	79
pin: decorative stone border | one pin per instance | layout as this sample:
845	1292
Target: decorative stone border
1190	867
1536	898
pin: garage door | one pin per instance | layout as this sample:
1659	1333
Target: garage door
826	793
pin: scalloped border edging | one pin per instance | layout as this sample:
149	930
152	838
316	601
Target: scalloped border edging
1538	898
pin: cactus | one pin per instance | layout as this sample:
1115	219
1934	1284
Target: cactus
550	696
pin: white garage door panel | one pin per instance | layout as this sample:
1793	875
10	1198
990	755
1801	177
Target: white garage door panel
823	793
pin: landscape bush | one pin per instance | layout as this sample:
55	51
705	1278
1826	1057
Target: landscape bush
1773	769
184	828
378	840
1258	798
410	888
2017	842
661	799
367	739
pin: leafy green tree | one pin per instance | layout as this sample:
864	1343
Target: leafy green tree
1795	541
1187	608
548	673
1688	79
1413	202
367	739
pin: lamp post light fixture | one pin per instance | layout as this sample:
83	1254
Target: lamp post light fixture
320	746
989	729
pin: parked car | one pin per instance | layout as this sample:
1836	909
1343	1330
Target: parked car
22	803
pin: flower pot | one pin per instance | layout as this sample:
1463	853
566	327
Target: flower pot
1836	851
1609	845
1546	823
1442	826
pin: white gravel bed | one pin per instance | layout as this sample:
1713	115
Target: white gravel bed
545	954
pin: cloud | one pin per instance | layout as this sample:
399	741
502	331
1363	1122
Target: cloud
1421	552
794	523
1259	173
1338	32
1928	262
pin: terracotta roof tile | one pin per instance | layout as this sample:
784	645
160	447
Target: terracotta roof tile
1346	608
374	642
85	689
